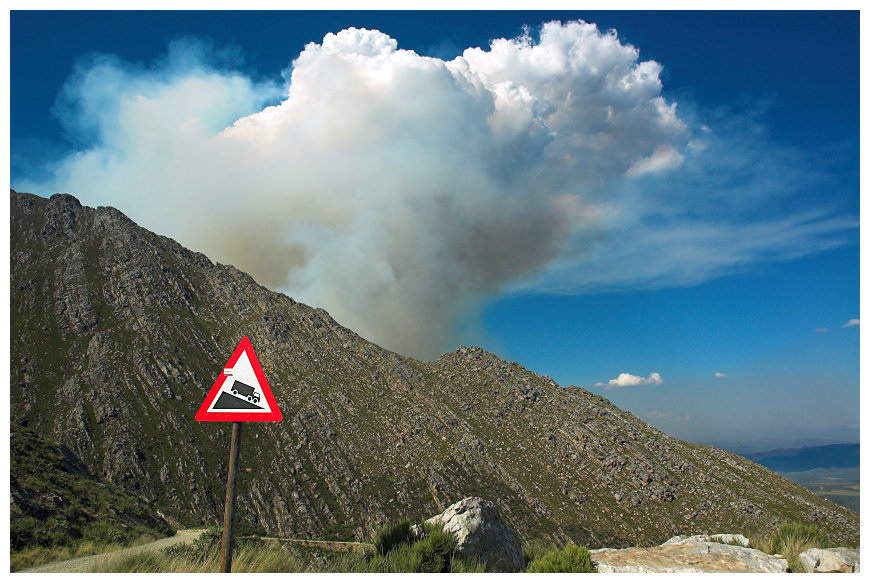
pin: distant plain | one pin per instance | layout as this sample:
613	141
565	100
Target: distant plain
839	485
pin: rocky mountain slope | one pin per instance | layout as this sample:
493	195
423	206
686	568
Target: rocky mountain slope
118	333
55	501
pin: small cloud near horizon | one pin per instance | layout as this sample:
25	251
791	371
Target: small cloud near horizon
659	415
852	322
822	330
629	380
720	375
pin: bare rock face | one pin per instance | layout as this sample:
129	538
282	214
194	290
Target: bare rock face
688	555
725	539
480	534
836	560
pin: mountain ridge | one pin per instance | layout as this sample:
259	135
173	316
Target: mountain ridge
835	455
121	332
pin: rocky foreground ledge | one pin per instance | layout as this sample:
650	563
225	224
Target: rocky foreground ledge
690	554
718	553
480	534
835	560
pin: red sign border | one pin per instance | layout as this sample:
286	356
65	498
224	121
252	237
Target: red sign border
274	415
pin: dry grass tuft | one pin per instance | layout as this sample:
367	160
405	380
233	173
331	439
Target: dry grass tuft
791	539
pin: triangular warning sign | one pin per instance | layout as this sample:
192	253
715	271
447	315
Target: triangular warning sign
241	392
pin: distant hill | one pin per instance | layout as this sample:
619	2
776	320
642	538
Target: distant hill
118	333
839	455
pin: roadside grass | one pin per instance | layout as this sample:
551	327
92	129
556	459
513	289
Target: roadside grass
397	551
401	553
571	559
248	559
33	556
791	539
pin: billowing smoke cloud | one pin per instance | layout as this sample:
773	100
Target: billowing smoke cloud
399	191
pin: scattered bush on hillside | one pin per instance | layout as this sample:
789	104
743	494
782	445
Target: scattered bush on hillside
571	559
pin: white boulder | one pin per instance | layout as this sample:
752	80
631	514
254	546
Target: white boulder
479	533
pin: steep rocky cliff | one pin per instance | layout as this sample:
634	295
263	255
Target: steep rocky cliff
118	333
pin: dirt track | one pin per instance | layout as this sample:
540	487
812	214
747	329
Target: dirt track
84	564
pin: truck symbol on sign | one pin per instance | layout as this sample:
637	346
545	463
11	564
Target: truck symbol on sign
247	391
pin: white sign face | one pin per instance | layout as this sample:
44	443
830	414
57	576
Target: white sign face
240	391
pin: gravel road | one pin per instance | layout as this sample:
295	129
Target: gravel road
84	564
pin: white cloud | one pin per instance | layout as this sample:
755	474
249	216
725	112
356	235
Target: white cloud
400	191
852	322
664	158
822	330
629	380
657	414
720	375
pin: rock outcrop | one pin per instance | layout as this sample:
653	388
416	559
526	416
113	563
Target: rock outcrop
725	539
692	554
835	560
479	533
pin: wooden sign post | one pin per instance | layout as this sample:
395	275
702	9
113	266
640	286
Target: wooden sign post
240	393
230	504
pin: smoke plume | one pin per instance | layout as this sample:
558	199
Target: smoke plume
400	191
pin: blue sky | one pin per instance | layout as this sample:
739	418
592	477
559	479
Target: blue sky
707	223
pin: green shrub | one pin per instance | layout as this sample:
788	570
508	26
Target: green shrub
402	559
436	540
435	550
791	539
397	552
390	536
800	531
107	532
536	549
460	565
571	559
